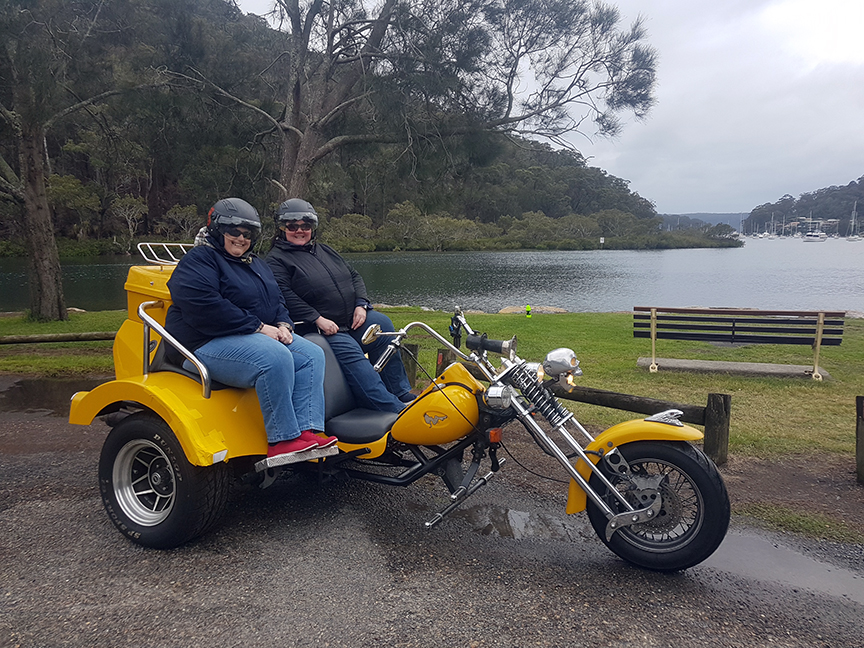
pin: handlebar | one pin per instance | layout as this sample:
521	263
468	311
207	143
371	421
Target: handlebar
482	343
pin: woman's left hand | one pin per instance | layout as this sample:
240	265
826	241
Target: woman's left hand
359	317
285	336
281	333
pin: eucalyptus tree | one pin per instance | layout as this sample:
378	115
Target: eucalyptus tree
409	71
59	59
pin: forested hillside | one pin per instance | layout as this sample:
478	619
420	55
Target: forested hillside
408	126
830	209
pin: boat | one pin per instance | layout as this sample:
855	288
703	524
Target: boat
815	237
854	234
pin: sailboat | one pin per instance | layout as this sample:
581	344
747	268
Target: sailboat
853	225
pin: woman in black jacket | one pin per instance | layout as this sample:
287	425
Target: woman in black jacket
327	294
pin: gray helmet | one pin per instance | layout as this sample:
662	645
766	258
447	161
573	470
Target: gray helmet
296	209
233	212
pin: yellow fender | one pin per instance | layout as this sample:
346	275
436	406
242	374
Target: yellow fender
227	425
618	435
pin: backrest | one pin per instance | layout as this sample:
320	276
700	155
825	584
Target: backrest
161	362
338	398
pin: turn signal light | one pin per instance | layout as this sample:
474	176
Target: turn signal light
495	435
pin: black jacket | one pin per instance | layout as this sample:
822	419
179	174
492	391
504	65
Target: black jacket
316	281
215	294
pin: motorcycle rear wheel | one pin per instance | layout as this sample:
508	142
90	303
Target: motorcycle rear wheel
694	516
151	492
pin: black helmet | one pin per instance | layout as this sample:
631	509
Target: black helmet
233	212
296	209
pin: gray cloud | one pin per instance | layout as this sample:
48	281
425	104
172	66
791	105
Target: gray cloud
743	117
756	99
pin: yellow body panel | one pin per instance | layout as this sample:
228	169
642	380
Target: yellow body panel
376	448
432	418
229	422
147	283
618	435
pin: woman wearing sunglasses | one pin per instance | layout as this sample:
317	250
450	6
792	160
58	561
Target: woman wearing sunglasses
328	295
229	311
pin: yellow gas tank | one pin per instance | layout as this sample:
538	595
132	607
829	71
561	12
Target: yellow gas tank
445	411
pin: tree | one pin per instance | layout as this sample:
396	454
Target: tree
411	71
54	63
129	211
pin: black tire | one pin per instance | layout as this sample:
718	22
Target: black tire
694	516
151	492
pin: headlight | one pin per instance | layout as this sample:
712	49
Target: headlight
561	361
499	396
536	370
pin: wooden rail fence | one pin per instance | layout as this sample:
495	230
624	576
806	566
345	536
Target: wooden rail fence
56	337
714	416
859	438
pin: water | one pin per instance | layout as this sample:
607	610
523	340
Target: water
781	274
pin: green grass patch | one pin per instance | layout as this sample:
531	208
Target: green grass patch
812	525
61	358
770	416
96	321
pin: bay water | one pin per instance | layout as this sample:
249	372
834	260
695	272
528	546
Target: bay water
776	274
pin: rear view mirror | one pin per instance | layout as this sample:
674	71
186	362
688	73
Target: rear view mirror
371	334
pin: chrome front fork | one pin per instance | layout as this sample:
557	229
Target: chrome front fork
630	515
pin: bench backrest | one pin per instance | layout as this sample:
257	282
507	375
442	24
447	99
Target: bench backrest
739	325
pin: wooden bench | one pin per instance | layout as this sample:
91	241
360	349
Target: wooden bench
739	326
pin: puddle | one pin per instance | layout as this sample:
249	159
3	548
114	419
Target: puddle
749	556
43	394
757	558
507	523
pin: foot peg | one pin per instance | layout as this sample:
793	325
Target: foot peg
306	455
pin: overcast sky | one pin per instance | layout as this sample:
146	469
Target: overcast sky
755	99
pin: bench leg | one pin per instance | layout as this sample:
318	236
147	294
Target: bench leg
817	344
653	367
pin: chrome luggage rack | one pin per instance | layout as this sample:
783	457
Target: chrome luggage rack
163	253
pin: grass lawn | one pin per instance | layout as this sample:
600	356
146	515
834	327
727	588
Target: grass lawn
770	416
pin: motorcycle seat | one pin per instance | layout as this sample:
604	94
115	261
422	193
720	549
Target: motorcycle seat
342	418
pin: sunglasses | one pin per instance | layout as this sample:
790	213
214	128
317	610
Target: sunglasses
303	227
236	233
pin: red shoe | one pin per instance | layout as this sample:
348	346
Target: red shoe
323	442
290	447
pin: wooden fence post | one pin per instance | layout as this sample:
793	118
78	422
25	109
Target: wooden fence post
409	353
445	358
717	415
859	438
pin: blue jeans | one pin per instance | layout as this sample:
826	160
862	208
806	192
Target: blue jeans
289	379
371	390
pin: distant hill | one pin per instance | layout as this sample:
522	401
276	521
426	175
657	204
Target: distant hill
713	219
698	221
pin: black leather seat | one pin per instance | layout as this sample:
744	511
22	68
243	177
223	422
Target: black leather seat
343	419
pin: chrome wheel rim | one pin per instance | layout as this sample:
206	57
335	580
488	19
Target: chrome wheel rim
144	482
680	517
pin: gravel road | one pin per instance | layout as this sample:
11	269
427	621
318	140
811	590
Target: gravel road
350	564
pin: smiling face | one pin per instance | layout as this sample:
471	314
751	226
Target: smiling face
301	234
237	245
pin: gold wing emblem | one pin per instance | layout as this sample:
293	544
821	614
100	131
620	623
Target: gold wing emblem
433	418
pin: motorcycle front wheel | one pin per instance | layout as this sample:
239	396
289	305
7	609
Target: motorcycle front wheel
695	511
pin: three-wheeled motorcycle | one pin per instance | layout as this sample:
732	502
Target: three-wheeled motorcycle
179	441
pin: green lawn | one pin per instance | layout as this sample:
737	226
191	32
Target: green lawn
769	415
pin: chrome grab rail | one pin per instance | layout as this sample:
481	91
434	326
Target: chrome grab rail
149	323
163	253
